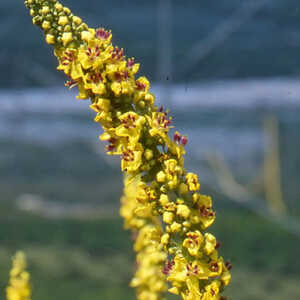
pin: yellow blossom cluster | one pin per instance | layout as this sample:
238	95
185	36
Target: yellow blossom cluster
19	287
146	231
164	206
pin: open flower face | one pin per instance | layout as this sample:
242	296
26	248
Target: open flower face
193	242
131	127
132	158
95	81
159	124
178	273
192	181
70	64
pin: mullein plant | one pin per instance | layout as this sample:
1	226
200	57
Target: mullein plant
19	287
161	203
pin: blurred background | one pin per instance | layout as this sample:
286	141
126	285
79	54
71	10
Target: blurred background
229	71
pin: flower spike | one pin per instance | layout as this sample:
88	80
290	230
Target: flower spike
162	204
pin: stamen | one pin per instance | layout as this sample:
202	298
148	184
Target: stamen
177	137
102	34
71	83
228	265
140	86
214	267
130	62
168	267
184	140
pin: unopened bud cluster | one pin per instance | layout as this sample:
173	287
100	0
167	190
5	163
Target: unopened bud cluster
164	209
61	27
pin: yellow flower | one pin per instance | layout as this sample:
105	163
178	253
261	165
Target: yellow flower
193	289
131	126
143	211
144	193
132	66
226	277
101	105
142	88
175	149
69	63
147	234
178	273
95	81
104	36
212	291
172	171
215	268
193	242
159	124
121	77
192	181
210	243
115	145
132	158
121	87
174	290
90	58
203	215
83	92
171	167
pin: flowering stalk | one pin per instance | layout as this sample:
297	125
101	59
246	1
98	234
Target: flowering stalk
19	287
147	231
162	203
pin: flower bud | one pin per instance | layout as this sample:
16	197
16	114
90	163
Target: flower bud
63	20
165	239
50	39
175	227
148	154
45	10
163	199
46	25
58	7
67	37
86	36
183	211
161	176
168	217
76	20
